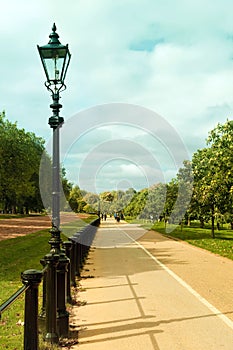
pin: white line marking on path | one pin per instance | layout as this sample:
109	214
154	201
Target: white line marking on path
212	308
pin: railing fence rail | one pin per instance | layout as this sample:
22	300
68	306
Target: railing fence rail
76	249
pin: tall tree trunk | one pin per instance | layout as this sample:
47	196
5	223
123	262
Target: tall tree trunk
202	224
212	222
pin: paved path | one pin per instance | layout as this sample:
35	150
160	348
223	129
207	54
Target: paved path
150	292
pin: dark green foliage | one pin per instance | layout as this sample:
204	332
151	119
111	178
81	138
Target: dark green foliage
137	204
75	199
213	177
202	188
20	155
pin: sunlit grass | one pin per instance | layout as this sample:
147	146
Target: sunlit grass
222	244
17	255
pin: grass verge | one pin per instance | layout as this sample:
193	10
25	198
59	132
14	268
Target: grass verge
222	244
17	255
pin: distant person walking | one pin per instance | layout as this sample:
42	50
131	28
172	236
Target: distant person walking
117	217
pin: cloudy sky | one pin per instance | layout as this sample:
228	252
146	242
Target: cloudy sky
148	80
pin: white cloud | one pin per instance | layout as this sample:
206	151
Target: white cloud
174	57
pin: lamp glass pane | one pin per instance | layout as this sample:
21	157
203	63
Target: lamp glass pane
55	59
54	68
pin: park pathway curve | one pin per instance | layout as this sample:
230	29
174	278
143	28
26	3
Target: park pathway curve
143	291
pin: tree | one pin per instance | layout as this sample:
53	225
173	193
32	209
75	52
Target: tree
185	190
67	188
20	154
171	196
107	196
156	199
75	199
220	140
91	198
213	177
137	204
205	186
88	209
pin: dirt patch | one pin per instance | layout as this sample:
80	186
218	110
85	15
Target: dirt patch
11	228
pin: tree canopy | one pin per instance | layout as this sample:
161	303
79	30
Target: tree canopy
201	190
20	155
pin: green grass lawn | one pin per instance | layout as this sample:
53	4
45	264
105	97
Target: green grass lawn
17	255
12	216
222	244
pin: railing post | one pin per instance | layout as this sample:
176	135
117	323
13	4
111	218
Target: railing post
67	246
63	315
51	334
72	261
79	259
42	313
77	253
33	279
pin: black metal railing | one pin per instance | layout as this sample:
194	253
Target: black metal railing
76	250
31	280
80	246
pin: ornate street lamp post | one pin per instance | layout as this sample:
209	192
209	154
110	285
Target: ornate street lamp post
55	58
